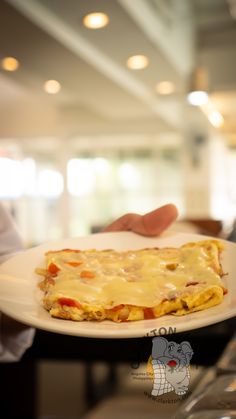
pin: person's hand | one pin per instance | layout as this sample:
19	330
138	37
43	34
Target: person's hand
150	224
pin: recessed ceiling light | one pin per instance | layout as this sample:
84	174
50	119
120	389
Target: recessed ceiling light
165	87
52	86
198	87
95	20
10	64
137	62
197	98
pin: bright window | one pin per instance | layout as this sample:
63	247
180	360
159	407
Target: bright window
50	183
81	177
12	178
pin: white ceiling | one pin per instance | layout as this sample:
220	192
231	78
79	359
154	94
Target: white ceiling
99	94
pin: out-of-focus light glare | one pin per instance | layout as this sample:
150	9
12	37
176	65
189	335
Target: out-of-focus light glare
129	176
96	20
137	62
165	87
197	98
231	386
50	183
29	173
216	119
12	179
80	177
10	64
52	86
101	165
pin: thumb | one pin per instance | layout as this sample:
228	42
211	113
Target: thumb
150	224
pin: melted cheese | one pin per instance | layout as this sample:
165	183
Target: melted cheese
141	278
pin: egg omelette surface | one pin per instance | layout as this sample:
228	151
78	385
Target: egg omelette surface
134	284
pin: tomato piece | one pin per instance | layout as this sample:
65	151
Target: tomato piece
63	301
87	274
74	264
148	313
53	269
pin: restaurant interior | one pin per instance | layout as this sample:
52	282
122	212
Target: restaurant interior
107	108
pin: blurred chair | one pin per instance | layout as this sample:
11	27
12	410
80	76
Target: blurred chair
205	226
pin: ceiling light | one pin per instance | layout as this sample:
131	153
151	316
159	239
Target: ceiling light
95	20
216	119
197	98
198	87
10	64
137	62
52	86
165	87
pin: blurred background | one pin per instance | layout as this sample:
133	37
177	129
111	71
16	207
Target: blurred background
108	107
114	112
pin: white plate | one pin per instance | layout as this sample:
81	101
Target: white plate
20	297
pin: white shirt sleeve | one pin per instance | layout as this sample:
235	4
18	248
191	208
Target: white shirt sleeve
15	337
10	241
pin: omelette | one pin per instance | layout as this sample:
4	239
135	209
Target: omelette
132	285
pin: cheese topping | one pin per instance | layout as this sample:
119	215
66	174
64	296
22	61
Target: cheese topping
142	278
